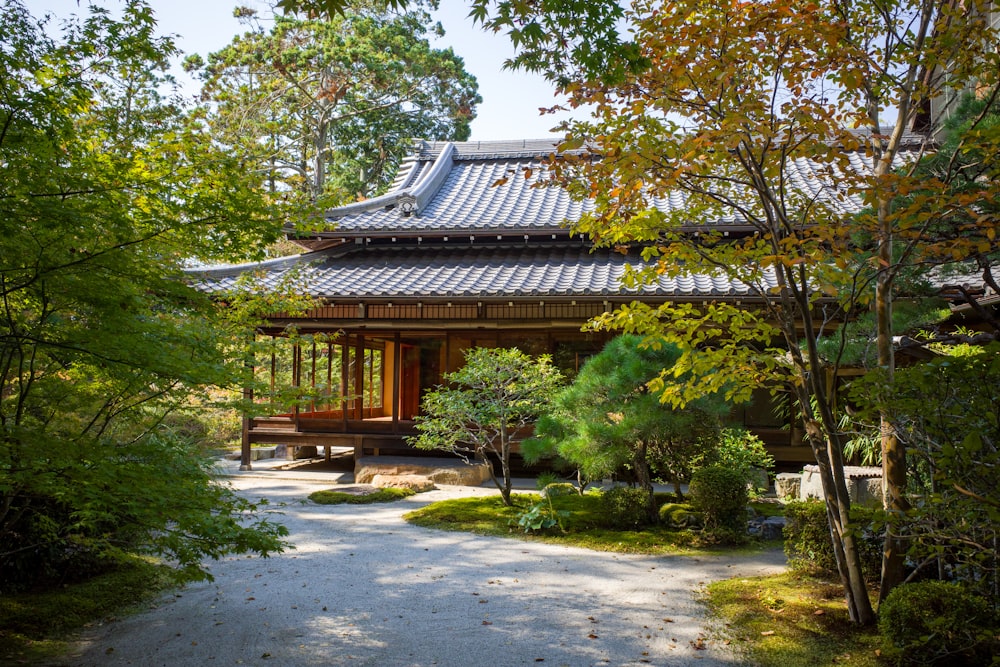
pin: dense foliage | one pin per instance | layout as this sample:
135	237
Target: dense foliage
486	404
719	493
608	422
947	413
937	623
108	188
807	538
325	109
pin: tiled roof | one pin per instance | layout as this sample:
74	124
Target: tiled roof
449	188
468	271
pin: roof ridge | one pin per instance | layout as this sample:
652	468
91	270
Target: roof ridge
419	193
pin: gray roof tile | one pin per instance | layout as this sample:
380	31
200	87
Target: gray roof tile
454	185
412	272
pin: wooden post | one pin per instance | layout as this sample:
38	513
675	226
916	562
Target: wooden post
245	460
397	378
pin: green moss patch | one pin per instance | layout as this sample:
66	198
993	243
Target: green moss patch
333	497
34	625
585	526
789	620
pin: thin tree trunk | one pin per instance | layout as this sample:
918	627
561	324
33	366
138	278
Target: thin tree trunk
645	479
505	464
846	552
893	453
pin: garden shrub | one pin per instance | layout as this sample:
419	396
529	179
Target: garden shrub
720	495
543	514
807	538
625	507
936	623
741	450
680	516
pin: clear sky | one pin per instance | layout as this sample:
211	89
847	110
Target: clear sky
511	100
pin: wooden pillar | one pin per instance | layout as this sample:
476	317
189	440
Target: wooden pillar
245	459
397	378
297	383
359	376
345	360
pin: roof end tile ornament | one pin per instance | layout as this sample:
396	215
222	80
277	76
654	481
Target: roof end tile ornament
416	196
413	200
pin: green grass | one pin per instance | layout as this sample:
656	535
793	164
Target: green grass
585	527
34	625
789	620
331	497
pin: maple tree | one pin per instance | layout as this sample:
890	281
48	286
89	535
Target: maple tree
784	128
108	189
485	405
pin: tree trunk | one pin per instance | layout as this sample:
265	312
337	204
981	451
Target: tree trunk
505	464
645	480
893	454
838	508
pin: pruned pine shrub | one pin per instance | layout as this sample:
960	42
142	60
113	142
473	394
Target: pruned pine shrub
720	494
625	507
937	623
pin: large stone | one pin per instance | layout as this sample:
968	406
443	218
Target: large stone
417	483
306	452
256	454
786	485
864	484
440	471
772	528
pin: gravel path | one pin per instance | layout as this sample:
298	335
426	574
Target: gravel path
363	587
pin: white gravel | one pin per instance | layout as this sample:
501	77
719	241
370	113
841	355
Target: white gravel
363	587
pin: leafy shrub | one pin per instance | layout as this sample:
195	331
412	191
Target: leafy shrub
625	507
807	538
741	450
543	514
947	413
720	495
936	623
155	494
680	516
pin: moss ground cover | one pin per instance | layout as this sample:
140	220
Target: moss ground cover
789	620
34	625
584	527
331	497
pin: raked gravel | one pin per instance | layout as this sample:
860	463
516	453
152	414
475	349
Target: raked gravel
363	587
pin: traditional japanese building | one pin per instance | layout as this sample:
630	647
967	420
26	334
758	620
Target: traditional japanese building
463	251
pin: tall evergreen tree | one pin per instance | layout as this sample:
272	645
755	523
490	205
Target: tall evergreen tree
326	108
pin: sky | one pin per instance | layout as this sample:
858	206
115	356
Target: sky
511	100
